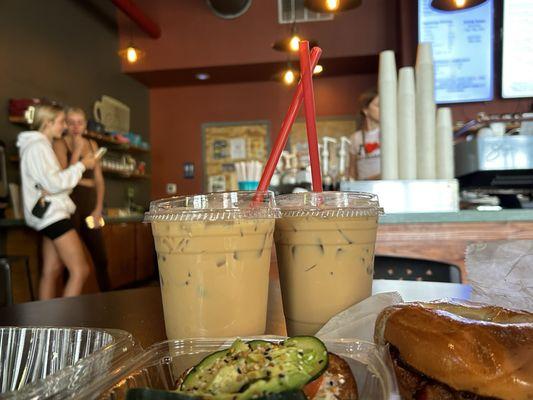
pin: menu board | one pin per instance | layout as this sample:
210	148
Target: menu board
517	63
462	42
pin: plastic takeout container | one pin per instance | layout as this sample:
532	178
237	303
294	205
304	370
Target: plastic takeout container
38	363
214	206
160	366
329	204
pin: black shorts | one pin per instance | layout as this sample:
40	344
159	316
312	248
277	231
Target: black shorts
57	229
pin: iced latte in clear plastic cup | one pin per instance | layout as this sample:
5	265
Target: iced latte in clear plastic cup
325	250
213	253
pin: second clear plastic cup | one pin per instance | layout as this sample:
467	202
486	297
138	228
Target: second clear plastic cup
213	254
325	250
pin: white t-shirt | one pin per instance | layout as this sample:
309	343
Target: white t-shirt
367	149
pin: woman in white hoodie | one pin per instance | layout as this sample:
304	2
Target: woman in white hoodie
47	205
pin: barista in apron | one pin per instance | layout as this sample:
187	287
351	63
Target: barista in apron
365	143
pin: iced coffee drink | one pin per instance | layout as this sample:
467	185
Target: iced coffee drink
325	250
213	254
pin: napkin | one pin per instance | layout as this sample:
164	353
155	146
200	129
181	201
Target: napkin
358	320
501	273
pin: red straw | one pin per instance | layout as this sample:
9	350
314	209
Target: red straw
306	72
283	135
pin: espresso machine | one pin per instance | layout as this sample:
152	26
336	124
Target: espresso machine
500	163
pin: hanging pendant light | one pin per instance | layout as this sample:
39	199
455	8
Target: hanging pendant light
291	43
131	54
454	5
331	6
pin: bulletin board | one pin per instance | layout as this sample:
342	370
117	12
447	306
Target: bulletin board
225	143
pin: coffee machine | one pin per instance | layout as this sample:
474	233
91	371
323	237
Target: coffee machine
499	164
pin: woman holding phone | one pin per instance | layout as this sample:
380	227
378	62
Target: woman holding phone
47	205
88	195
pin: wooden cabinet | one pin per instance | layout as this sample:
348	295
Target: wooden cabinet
130	253
120	247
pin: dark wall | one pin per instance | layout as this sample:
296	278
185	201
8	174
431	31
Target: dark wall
66	50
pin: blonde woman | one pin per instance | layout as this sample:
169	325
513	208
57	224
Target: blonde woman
88	195
47	205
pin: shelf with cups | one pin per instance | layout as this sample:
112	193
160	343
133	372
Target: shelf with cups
124	174
107	171
117	145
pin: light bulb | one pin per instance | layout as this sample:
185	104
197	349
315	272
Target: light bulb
460	3
318	69
332	5
294	43
131	54
288	77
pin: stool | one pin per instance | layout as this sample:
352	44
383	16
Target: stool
6	281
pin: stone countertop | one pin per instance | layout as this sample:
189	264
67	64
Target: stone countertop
459	216
404	218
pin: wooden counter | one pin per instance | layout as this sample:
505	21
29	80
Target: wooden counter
445	236
129	247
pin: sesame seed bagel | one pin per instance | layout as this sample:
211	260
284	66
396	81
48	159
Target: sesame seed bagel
480	349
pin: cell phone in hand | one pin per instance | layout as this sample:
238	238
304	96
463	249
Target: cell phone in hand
100	153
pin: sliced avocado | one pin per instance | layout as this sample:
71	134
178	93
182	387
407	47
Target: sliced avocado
289	395
154	394
258	368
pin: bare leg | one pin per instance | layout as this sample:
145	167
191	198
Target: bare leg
52	268
71	253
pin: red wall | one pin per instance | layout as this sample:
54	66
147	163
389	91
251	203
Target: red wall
177	114
192	36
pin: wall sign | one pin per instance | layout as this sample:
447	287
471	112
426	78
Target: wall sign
462	49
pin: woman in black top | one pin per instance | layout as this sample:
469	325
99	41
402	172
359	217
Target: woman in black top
89	194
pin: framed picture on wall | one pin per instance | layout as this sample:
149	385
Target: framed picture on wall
225	143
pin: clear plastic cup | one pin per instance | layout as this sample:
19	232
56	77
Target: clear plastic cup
325	250
213	253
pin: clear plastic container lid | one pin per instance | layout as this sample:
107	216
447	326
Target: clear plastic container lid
38	363
160	366
329	204
214	206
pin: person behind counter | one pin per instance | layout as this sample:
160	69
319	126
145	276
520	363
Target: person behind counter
47	205
88	195
365	143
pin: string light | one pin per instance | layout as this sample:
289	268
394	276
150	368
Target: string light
318	69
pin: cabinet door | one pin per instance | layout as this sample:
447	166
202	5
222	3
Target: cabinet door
144	251
120	247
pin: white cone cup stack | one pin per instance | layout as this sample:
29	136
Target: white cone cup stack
407	123
388	108
425	113
445	166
